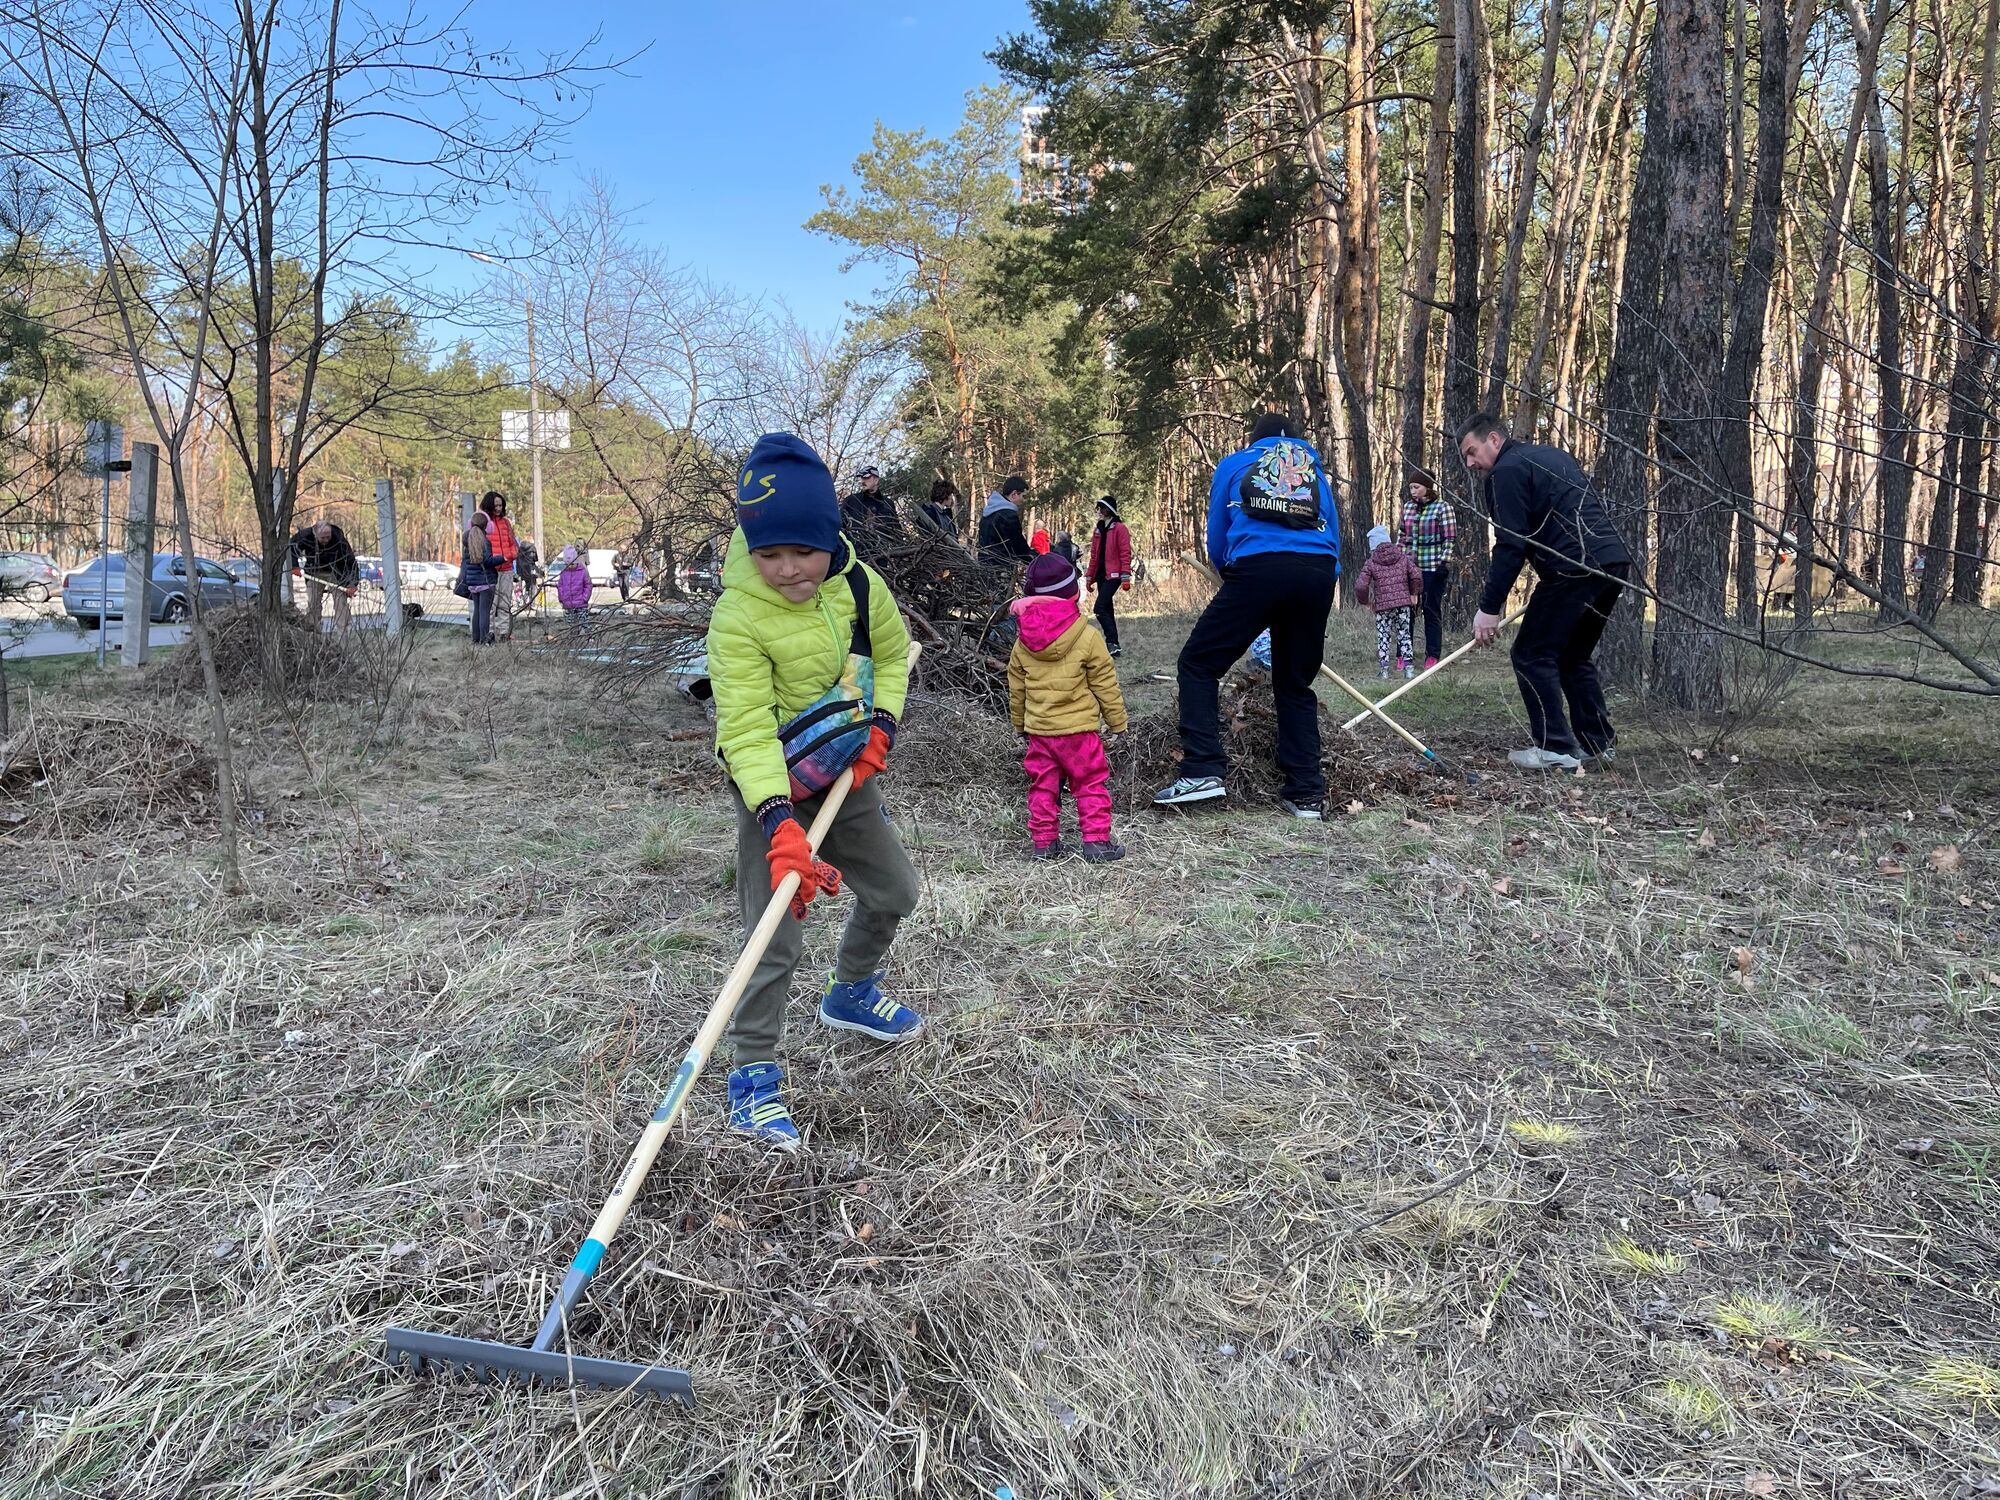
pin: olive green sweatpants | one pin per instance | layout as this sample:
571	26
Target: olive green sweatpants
876	875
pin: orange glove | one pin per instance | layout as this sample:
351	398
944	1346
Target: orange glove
874	757
791	854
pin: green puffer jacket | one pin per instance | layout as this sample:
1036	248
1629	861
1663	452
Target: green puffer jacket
769	658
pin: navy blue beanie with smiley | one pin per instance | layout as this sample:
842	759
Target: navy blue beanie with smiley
785	496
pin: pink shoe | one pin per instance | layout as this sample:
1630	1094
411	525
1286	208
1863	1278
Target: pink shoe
1429	662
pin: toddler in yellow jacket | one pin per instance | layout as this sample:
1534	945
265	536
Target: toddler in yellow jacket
1060	683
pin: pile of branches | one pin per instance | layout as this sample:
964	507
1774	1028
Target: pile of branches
955	607
87	772
285	654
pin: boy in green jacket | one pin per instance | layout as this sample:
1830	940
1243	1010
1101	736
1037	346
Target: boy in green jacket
808	658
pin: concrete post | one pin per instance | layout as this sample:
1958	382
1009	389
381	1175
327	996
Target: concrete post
468	502
284	573
392	555
140	499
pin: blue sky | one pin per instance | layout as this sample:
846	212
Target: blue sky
721	134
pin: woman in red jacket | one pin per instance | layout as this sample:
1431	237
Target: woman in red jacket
1110	567
500	537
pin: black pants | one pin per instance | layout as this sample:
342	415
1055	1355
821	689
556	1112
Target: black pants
1434	581
482	617
1552	661
1291	594
1107	612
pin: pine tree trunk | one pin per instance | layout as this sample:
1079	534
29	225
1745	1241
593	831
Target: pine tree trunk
1802	466
1966	573
1631	383
1693	559
1423	281
1894	433
1524	206
1462	364
1736	399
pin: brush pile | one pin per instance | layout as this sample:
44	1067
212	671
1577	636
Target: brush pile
80	773
954	605
284	654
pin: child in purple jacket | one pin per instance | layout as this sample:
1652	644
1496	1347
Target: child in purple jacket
1390	582
573	590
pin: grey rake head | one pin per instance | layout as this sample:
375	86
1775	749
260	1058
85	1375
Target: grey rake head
488	1363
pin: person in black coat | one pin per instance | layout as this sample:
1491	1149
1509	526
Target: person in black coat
323	554
935	513
1546	513
1001	538
868	515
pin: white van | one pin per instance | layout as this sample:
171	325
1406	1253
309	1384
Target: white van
598	559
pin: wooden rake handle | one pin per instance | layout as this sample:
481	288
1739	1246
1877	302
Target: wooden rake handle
1428	673
1369	707
625	1191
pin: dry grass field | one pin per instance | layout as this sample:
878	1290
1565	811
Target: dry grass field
1634	1134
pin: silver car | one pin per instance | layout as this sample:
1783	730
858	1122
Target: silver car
28	575
87	597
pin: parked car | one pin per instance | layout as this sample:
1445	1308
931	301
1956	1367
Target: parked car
427	575
371	569
243	569
98	589
32	576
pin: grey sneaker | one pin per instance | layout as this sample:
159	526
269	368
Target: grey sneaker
1190	789
1102	853
1608	756
1535	758
1311	811
1045	852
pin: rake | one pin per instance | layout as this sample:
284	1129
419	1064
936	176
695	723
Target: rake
1369	705
1427	673
541	1363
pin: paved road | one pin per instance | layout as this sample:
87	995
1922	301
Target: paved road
63	638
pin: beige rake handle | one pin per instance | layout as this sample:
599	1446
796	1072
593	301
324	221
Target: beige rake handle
1369	707
640	1162
1427	673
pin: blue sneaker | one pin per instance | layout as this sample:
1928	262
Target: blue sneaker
757	1109
863	1007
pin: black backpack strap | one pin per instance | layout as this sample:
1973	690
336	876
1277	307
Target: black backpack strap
858	586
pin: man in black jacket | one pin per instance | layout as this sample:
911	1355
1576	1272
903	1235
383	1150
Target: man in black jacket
1544	511
1000	536
324	555
868	515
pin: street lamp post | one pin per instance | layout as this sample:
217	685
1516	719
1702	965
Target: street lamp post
535	433
106	444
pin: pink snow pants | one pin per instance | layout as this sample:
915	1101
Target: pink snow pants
1078	759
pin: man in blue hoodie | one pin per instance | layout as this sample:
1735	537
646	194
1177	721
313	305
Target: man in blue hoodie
1274	536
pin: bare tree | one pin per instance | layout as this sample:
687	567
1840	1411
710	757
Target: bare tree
1782	36
1631	383
1694	523
331	145
658	367
1524	206
1468	217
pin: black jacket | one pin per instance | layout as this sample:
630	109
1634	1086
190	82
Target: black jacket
1544	510
1000	536
935	517
333	563
865	510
